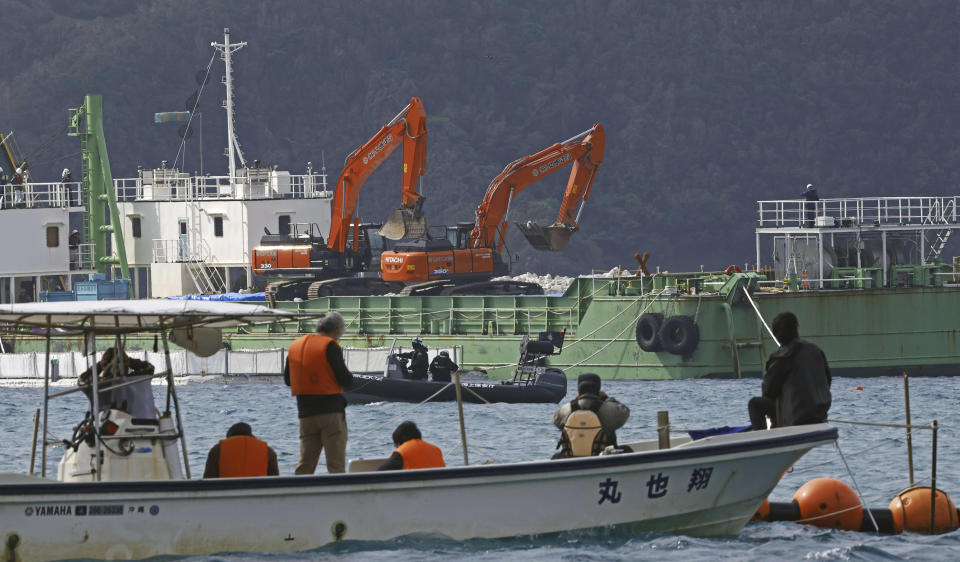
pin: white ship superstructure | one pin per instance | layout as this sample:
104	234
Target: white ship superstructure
181	233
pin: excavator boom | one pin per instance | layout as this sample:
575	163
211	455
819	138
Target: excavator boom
408	128
472	251
584	151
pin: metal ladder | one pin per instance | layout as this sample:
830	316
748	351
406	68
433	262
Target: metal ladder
940	237
78	121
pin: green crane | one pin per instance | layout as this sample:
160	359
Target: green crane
96	186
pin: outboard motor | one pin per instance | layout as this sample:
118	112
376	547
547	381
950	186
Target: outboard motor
396	367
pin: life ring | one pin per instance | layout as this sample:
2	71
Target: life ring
679	335
648	331
733	268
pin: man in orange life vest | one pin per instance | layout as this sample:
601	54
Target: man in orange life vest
411	451
317	374
241	454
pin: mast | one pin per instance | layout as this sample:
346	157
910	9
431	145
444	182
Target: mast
226	49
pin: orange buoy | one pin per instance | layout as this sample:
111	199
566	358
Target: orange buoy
829	503
859	388
763	512
910	510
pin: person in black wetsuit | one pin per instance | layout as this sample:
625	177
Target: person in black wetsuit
419	361
796	386
442	366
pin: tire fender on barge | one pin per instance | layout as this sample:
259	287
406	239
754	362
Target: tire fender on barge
648	331
679	335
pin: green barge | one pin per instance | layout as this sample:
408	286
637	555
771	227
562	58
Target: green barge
866	278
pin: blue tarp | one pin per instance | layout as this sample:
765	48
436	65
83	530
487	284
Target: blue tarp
226	297
701	433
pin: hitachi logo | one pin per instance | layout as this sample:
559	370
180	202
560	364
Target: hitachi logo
391	259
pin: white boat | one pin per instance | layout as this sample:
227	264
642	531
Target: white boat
707	487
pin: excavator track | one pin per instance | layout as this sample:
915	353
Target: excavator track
352	287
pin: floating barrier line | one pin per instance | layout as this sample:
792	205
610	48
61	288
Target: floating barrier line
857	488
831	514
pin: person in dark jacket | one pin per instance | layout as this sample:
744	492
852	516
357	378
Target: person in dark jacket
243	455
610	413
796	386
442	366
317	374
412	452
419	361
810	207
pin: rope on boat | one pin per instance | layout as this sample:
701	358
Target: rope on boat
404	414
504	414
857	487
609	343
606	345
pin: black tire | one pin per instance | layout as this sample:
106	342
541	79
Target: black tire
648	331
679	335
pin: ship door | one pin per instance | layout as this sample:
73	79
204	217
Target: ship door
183	242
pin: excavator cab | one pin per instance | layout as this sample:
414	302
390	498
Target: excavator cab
553	238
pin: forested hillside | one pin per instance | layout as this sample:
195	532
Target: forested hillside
708	106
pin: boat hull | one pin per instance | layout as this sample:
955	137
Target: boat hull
375	388
710	487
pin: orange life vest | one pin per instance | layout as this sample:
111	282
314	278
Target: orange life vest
310	373
243	455
417	453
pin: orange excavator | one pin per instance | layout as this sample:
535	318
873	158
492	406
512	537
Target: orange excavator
307	265
472	251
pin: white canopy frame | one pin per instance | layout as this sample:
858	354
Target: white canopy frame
119	318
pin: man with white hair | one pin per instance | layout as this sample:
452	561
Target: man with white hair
317	374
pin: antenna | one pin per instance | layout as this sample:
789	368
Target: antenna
226	49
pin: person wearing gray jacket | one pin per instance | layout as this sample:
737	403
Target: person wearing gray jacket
612	414
796	385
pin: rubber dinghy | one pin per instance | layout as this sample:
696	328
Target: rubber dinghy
532	381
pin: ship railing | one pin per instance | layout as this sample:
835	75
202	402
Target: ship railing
173	250
247	186
35	195
82	257
865	211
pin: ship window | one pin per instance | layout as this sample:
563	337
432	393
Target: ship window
218	226
284	224
183	227
53	236
135	227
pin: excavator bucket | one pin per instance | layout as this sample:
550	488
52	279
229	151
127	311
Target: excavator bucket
553	238
404	223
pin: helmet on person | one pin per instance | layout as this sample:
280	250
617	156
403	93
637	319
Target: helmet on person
445	354
417	341
65	173
19	170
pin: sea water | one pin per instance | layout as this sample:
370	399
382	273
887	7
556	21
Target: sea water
513	432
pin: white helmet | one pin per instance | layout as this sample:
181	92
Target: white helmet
19	170
65	173
417	340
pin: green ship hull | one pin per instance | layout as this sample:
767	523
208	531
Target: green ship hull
863	332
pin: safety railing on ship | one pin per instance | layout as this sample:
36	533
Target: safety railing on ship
40	195
858	212
181	187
